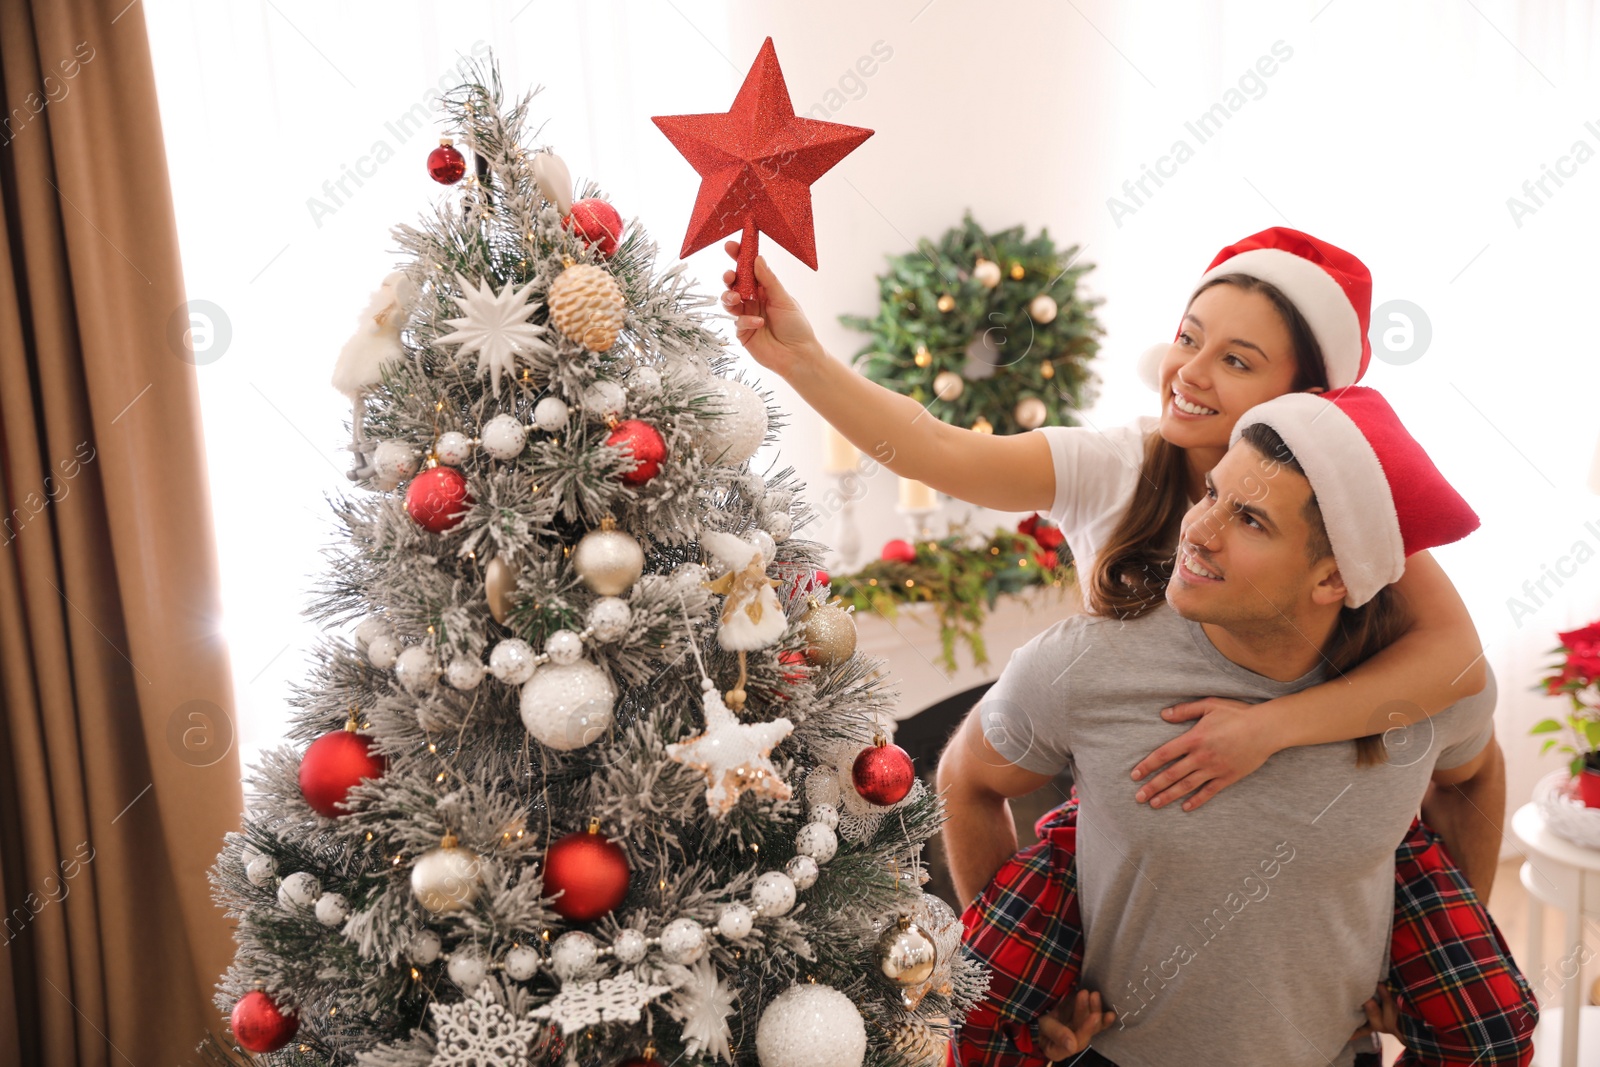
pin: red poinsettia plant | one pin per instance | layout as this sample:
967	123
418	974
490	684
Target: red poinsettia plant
1577	677
1047	535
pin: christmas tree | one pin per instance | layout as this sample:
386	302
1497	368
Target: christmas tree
597	776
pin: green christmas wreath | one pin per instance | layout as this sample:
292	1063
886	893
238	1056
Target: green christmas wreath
988	331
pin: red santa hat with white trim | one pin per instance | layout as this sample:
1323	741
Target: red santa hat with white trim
1381	497
1329	286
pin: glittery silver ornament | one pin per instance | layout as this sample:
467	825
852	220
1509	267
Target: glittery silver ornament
830	635
737	424
811	1025
383	650
817	841
683	941
371	627
568	706
464	673
261	870
609	618
453	448
416	668
521	963
563	647
512	661
332	909
499	585
629	947
603	399
773	893
393	462
780	524
608	561
503	437
802	871
467	968
424	947
299	890
446	878
572	953
735	921
550	414
906	954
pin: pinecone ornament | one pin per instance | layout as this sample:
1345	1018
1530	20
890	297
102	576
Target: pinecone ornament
586	305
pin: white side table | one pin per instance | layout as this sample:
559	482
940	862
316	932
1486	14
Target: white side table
1560	874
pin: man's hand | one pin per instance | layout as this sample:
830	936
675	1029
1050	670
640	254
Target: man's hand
1067	1030
771	327
1229	742
1383	1014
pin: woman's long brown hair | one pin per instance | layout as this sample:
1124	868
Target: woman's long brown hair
1130	576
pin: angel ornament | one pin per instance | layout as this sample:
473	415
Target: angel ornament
751	615
374	347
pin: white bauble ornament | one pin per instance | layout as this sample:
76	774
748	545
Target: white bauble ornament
735	922
608	561
453	448
424	947
467	968
826	814
503	437
752	486
554	180
1042	309
987	271
445	879
630	947
736	423
369	628
332	909
393	462
948	386
416	668
464	673
550	414
773	893
261	870
512	661
688	576
568	706
644	381
521	962
811	1025
299	890
803	871
780	525
765	543
563	647
604	399
609	618
1031	413
383	650
572	953
817	841
683	941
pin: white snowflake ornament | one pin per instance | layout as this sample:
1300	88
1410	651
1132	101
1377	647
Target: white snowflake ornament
733	756
496	327
479	1030
703	1004
609	1000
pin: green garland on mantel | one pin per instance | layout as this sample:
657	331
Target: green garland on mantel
962	578
989	331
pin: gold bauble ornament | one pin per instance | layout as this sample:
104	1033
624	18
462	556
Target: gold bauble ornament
923	356
586	305
499	583
608	560
948	386
1047	370
906	954
982	425
1042	309
1017	272
947	302
987	271
1031	413
830	634
446	878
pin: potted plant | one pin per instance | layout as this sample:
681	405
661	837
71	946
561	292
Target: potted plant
1577	676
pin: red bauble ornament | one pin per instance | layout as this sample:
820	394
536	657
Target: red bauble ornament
756	166
589	871
898	551
259	1026
820	579
883	774
437	498
799	666
332	764
597	222
644	441
445	164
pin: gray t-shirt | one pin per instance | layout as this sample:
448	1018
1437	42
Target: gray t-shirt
1252	929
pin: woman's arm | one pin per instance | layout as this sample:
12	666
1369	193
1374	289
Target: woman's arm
1435	663
1007	473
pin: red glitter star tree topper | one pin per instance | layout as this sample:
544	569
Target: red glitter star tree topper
756	165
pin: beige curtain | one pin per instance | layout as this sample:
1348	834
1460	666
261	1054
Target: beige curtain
117	773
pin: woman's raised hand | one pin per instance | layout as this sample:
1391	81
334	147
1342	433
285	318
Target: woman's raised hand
771	327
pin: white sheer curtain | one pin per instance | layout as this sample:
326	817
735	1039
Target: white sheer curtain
267	107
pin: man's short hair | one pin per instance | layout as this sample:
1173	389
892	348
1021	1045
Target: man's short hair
1265	440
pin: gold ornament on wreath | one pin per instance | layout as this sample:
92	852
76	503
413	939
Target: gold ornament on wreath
586	305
